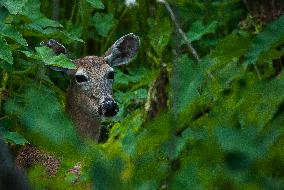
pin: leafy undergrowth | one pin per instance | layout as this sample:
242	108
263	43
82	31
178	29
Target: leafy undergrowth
223	127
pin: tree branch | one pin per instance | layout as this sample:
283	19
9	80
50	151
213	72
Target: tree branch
180	31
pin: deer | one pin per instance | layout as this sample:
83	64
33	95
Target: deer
89	96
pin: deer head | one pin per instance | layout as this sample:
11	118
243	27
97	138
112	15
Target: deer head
92	80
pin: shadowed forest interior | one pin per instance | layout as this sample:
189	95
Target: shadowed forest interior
188	94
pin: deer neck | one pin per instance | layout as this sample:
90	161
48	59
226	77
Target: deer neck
79	107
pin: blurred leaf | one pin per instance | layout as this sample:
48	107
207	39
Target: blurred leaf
272	54
5	52
15	138
226	50
107	173
271	37
186	178
96	4
159	34
187	78
45	22
103	23
14	7
42	115
198	30
7	30
259	104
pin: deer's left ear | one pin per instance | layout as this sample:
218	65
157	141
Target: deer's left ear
123	50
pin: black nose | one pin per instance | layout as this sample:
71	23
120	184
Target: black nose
108	108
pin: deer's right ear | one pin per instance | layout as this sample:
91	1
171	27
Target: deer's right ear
55	46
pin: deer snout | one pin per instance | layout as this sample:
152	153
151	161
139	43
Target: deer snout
108	108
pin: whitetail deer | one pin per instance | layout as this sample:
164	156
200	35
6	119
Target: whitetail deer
89	95
90	92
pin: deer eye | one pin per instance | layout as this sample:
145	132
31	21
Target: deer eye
81	78
110	75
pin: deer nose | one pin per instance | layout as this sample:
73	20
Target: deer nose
108	108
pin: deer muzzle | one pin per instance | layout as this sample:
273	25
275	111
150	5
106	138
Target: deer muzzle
108	108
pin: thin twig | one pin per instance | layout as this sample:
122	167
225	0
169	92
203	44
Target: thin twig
181	32
257	72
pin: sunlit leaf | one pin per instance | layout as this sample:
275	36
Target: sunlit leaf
96	4
14	7
198	30
5	52
47	56
15	138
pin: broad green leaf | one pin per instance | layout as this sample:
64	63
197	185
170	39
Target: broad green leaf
15	138
187	178
32	11
5	52
103	23
231	48
106	172
159	34
45	22
96	4
247	141
39	111
47	56
270	55
260	102
272	36
15	6
9	31
187	77
61	61
198	30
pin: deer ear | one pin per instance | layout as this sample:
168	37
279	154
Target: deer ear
123	50
55	46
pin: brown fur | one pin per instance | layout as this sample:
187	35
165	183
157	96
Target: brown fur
83	100
29	156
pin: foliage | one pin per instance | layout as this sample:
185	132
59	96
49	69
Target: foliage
223	125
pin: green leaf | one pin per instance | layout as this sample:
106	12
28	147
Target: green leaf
187	77
96	4
14	7
47	56
198	30
9	31
39	111
231	48
271	37
15	138
187	178
32	11
270	55
5	52
103	23
159	34
46	22
107	172
259	104
247	140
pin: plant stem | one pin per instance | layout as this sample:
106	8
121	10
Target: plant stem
180	31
